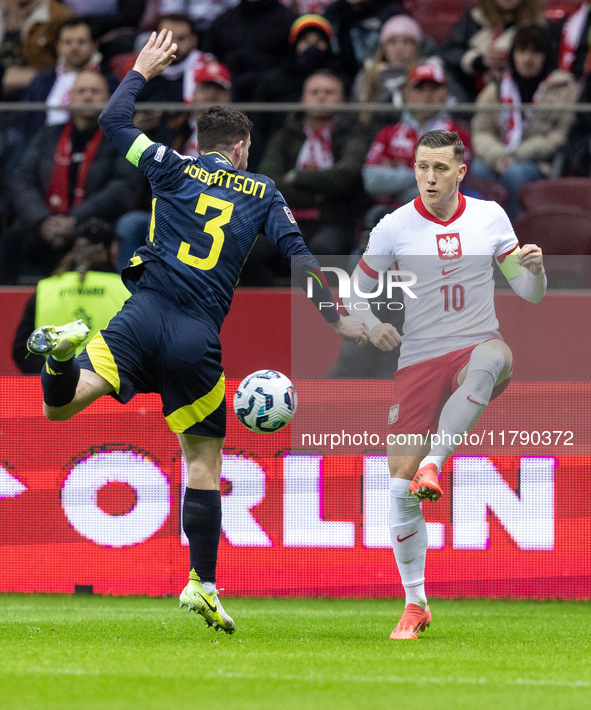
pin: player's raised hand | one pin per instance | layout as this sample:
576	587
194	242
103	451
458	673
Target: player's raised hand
530	257
156	54
353	328
385	337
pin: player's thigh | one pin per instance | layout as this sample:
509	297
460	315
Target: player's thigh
203	456
124	353
190	377
503	348
89	388
404	460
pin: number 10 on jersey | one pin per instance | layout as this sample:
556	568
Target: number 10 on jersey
453	297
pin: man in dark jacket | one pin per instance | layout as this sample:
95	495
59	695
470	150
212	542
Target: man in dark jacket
76	52
315	161
250	39
68	174
310	49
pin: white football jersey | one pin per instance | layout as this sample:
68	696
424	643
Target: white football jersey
453	263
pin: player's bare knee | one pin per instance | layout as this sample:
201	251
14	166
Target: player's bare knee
57	414
403	466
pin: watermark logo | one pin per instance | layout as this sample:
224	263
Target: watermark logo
386	284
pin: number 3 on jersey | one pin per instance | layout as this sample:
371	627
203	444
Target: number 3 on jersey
212	227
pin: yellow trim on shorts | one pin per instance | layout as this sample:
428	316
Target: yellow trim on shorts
181	419
103	362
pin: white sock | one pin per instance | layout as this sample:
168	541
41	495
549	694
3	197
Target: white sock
408	532
208	587
464	408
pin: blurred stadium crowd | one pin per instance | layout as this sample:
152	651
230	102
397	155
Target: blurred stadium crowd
409	66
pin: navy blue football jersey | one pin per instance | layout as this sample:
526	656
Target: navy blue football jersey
206	215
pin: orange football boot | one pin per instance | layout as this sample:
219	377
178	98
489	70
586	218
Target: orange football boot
414	619
425	484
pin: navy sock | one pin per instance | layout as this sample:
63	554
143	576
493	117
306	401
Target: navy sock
59	381
202	523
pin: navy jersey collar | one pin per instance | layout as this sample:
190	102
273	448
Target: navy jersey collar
215	152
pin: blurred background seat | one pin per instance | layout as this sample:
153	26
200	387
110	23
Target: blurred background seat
564	234
567	191
436	17
489	189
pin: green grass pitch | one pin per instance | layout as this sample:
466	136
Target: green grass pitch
72	652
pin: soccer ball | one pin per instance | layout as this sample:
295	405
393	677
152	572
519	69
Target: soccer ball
265	401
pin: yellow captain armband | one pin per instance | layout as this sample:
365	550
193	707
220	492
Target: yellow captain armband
137	148
508	264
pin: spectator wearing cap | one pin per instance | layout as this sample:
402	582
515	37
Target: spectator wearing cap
384	75
357	25
84	286
388	173
213	85
310	40
251	39
516	146
175	85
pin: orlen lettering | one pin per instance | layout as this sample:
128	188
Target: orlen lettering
477	489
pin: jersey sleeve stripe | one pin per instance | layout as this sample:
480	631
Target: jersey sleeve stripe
368	270
137	148
153	220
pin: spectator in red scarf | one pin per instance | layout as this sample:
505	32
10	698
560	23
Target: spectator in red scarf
571	35
68	173
477	49
516	146
316	161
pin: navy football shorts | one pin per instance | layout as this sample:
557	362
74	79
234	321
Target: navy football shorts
152	346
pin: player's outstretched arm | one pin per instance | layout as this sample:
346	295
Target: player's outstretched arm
116	120
156	55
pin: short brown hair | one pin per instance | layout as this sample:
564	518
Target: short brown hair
221	127
443	139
